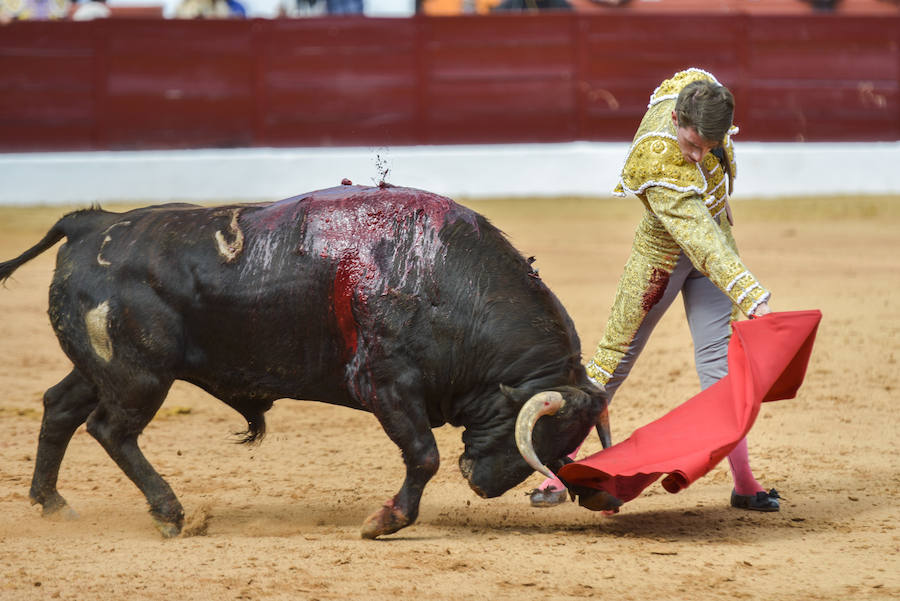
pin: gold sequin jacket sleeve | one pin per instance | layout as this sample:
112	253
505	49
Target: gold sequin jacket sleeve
688	220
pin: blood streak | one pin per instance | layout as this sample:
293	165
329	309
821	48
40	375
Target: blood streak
346	280
656	287
348	225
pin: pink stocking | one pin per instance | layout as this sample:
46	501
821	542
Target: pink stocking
739	460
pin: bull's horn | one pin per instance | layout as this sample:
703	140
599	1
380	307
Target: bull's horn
603	428
543	403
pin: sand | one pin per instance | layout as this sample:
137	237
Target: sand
282	520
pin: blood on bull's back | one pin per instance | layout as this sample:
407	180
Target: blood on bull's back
296	284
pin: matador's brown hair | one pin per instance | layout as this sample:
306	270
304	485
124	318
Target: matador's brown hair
707	107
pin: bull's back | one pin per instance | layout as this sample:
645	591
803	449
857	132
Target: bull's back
315	280
280	298
193	292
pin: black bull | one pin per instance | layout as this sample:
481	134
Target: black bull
390	300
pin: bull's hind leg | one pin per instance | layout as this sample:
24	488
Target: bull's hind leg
404	420
116	423
66	407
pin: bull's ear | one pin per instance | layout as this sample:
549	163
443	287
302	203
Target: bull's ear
517	395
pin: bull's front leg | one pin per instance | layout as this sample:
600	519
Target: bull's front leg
405	422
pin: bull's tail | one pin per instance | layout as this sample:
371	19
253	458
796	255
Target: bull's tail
53	236
65	227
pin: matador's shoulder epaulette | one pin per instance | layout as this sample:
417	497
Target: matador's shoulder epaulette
656	160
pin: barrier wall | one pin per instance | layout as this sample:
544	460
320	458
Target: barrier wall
160	84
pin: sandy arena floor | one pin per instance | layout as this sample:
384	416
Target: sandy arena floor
281	521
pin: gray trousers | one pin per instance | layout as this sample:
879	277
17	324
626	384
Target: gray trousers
708	312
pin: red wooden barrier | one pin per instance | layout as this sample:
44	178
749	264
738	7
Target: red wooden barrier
145	83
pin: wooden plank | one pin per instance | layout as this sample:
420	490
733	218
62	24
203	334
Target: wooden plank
499	77
338	82
46	86
628	56
822	78
179	84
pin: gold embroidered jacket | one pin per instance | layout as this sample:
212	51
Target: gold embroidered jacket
688	199
685	212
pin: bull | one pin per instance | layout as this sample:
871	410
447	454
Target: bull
385	299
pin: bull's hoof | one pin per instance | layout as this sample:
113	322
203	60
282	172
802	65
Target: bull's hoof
167	529
386	520
55	507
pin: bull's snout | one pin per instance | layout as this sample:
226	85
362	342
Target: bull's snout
467	468
493	475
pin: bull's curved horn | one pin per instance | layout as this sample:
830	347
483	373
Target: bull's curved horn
543	403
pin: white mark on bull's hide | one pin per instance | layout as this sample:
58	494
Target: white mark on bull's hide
100	260
97	329
230	250
106	240
262	253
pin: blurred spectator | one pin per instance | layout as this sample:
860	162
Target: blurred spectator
390	8
38	10
301	8
344	7
455	7
237	9
210	9
90	10
511	5
824	5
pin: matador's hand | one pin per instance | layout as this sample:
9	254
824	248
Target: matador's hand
762	309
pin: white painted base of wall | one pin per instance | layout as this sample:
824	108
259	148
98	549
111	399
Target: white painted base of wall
577	168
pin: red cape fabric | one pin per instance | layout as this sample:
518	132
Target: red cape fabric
767	359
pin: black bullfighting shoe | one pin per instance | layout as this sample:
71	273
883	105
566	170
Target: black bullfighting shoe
548	497
761	501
